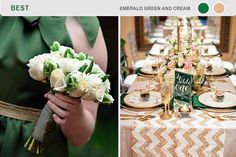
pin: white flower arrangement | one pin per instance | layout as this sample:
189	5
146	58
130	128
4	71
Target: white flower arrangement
70	73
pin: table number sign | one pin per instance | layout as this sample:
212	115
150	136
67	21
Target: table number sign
182	89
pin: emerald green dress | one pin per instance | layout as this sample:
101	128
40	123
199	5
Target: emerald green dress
21	39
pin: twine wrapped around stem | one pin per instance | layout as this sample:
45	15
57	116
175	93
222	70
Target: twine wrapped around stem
43	129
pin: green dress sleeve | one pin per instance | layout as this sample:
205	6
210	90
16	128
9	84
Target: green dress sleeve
91	26
21	39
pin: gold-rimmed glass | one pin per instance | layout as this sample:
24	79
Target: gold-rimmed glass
198	79
166	93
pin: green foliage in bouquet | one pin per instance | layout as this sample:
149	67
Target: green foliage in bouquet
48	67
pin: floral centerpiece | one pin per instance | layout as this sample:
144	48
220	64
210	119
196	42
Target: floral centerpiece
183	54
186	59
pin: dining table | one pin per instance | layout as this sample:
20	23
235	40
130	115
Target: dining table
208	131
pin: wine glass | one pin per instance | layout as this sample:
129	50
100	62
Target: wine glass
165	97
198	78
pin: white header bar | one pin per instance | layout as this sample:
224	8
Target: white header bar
114	7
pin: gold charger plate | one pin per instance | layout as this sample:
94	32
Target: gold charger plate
215	71
133	100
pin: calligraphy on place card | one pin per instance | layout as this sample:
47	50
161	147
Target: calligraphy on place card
183	87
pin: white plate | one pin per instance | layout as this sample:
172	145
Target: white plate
148	70
209	41
158	50
228	65
133	100
215	71
161	41
139	63
207	99
212	51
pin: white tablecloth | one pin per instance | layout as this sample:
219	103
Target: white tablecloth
200	135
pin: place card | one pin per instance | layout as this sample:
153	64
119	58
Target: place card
182	89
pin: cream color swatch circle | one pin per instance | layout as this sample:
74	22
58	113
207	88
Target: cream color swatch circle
219	8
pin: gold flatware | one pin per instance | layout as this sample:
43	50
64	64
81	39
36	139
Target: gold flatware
221	110
131	115
222	118
142	109
221	81
136	117
225	115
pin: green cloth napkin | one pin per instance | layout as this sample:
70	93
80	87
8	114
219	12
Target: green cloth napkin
228	72
138	71
122	102
196	103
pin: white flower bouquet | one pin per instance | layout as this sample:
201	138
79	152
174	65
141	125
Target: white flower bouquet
70	73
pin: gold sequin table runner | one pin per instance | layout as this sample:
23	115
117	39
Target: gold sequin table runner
198	136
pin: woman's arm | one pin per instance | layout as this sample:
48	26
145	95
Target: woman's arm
75	116
80	42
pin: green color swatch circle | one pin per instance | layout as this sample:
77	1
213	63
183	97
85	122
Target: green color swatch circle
203	8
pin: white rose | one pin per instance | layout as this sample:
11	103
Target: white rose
57	80
70	65
94	79
42	58
99	94
36	72
78	75
82	85
96	92
36	65
96	89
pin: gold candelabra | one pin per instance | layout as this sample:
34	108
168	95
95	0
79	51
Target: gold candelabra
178	37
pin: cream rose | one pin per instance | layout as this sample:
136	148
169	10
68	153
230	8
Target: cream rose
82	84
96	89
95	92
36	65
57	80
36	72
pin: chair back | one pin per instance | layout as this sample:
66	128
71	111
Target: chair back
233	58
124	70
133	46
